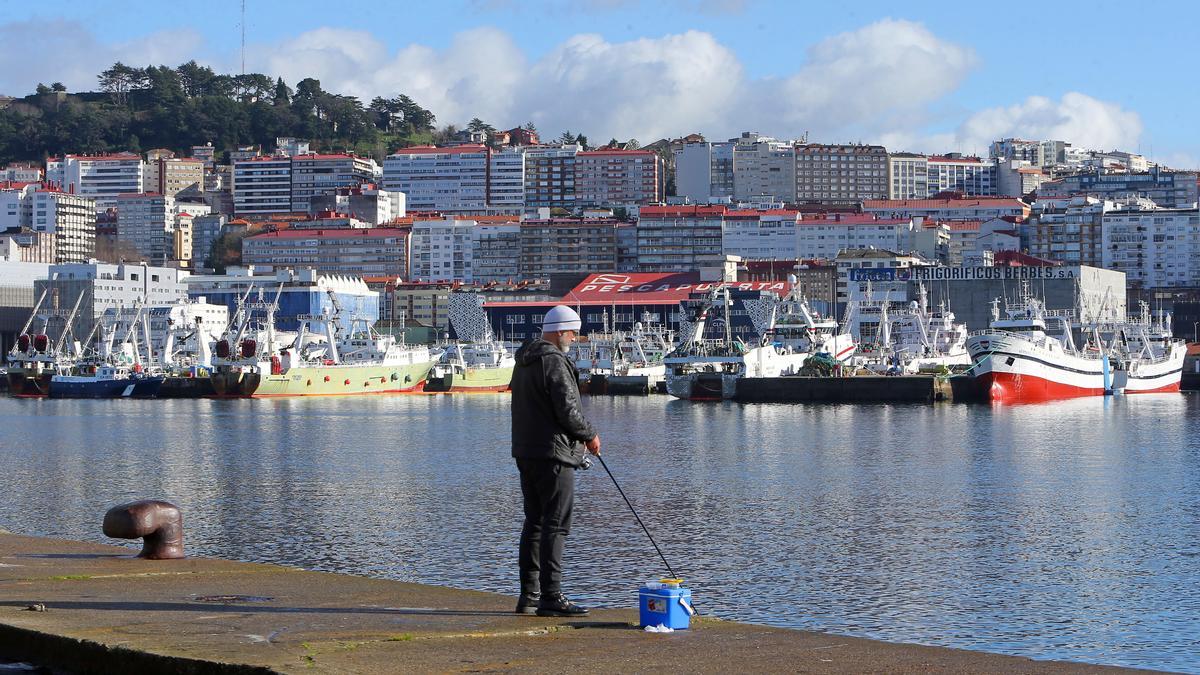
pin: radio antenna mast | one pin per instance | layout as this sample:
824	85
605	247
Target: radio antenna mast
243	37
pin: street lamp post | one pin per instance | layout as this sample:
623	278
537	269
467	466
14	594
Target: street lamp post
1194	331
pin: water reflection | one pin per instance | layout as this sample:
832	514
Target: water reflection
1066	530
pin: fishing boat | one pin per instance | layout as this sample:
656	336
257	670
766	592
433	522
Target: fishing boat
331	355
1028	353
35	358
916	340
801	332
702	369
104	380
476	361
615	362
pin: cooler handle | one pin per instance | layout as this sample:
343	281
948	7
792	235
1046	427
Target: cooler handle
687	606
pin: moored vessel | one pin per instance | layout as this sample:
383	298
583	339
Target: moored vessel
476	362
1028	354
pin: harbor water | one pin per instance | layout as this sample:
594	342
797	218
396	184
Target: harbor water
1066	530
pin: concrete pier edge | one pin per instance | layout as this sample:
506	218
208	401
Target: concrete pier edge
109	612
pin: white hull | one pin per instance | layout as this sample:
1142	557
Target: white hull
715	377
1014	369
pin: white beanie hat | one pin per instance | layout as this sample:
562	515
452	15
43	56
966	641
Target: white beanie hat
561	318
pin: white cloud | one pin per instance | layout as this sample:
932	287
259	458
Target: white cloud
867	80
60	50
645	89
1084	121
475	76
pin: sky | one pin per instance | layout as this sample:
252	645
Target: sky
919	76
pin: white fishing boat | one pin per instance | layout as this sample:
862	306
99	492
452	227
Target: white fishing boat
700	369
1029	354
477	361
914	340
623	361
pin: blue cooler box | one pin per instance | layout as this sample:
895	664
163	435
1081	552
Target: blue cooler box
670	607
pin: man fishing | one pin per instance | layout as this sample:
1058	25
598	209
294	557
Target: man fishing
548	427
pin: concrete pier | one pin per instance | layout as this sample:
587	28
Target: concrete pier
858	389
98	609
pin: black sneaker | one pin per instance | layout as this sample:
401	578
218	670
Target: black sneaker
559	605
528	603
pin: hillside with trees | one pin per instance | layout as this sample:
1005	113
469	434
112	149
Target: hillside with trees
175	108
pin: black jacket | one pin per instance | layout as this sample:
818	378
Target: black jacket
547	422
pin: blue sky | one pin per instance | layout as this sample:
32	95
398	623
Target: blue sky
915	76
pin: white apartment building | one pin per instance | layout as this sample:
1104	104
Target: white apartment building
1154	247
106	286
262	186
704	171
760	234
101	177
69	220
763	167
314	175
21	174
908	176
366	203
506	181
439	179
826	236
968	175
442	250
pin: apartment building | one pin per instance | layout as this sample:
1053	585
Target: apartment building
447	180
764	234
679	238
568	245
164	174
262	186
618	178
764	169
64	223
350	251
1167	189
1067	229
441	250
365	202
908	176
101	177
105	286
496	252
970	176
506	181
840	174
1155	247
550	176
704	171
315	174
827	235
965	208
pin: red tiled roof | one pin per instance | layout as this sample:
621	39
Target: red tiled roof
752	213
680	211
595	153
432	150
313	155
967	203
330	232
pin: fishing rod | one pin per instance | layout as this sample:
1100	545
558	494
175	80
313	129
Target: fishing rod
635	515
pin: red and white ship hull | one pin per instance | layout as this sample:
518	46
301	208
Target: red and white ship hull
1014	370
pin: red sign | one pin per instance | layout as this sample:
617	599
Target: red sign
661	287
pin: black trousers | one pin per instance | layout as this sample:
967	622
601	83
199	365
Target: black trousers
549	491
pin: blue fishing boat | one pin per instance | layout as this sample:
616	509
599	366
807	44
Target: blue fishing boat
105	381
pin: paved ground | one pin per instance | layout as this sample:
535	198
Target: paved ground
106	611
